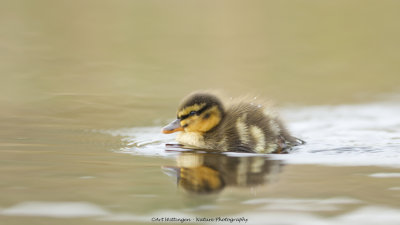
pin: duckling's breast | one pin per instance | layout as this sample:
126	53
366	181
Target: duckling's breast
191	138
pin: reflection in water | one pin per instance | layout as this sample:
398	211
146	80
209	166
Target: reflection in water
207	173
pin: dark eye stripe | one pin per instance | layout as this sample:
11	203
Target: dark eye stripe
196	112
203	109
183	117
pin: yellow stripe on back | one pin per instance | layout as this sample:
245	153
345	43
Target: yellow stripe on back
242	129
259	138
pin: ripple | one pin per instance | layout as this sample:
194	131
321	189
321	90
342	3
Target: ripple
55	209
143	140
348	135
385	175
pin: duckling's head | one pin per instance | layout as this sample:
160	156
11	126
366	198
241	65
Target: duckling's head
199	112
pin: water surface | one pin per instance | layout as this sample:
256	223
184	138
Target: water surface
86	87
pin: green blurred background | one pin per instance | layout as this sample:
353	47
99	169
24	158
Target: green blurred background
120	63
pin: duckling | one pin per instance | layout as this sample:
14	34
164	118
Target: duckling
205	123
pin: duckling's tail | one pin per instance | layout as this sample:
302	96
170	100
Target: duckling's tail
297	141
289	142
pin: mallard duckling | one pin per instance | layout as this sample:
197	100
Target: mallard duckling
241	127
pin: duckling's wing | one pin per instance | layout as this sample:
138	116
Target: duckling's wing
242	148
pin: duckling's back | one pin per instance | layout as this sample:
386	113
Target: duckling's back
248	127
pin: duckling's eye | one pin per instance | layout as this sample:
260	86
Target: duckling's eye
192	113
